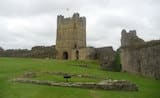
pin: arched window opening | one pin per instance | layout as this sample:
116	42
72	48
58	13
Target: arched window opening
65	55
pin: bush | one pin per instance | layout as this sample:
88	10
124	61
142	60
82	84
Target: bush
117	61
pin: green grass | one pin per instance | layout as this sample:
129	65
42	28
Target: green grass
13	67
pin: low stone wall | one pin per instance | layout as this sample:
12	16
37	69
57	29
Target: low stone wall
105	85
35	74
35	52
74	75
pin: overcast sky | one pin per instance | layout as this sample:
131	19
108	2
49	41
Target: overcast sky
26	23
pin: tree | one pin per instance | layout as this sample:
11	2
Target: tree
1	49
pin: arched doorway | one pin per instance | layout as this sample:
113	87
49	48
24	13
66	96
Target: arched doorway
65	55
77	54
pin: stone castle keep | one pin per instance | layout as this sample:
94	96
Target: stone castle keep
71	36
71	40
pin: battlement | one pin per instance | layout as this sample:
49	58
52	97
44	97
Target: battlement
131	33
75	18
130	38
75	15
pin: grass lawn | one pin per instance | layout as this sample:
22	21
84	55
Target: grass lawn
13	67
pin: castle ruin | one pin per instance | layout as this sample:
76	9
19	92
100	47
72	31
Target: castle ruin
71	36
71	39
138	56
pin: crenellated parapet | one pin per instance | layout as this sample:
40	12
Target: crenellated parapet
130	38
69	20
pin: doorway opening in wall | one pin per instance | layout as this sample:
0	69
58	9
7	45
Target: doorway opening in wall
75	46
65	55
77	54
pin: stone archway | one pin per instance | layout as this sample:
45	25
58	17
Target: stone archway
65	55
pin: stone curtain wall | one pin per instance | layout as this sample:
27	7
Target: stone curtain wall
150	66
87	53
106	57
43	52
35	52
15	53
141	58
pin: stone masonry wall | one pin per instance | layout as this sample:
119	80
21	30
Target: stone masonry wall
71	34
87	53
35	52
106	57
141	58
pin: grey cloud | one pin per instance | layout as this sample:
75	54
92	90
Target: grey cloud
33	7
33	22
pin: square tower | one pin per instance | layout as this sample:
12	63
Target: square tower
71	36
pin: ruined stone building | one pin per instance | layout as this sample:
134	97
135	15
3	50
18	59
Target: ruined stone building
71	36
138	56
70	44
71	39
